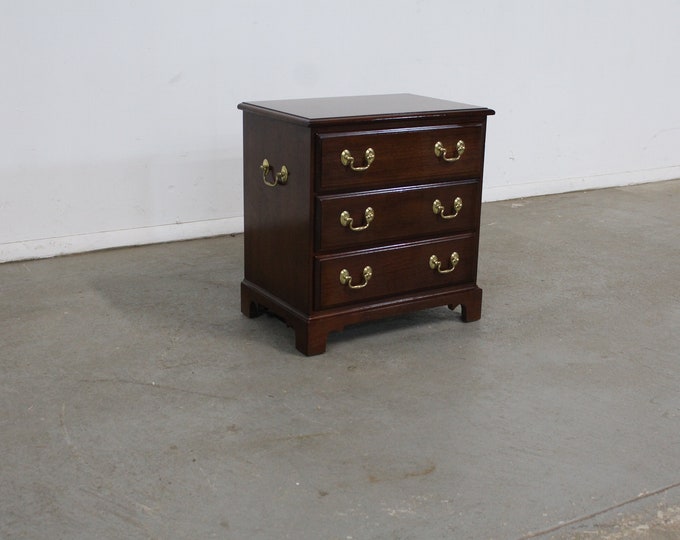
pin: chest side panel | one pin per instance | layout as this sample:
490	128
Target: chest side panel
278	219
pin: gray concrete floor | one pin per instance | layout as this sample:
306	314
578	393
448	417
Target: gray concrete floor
137	402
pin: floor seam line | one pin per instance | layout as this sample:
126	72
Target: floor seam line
559	526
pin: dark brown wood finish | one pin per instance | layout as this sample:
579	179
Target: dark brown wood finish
401	157
395	270
399	214
295	245
350	110
277	220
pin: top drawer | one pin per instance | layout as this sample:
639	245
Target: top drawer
370	159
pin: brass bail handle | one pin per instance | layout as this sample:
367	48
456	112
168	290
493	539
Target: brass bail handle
436	264
440	151
280	177
438	208
346	159
346	220
346	278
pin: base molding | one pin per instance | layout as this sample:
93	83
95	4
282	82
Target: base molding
311	330
67	245
579	183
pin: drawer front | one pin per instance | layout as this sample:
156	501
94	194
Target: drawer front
399	157
354	220
372	274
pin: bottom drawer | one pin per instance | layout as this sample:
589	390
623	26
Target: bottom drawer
371	274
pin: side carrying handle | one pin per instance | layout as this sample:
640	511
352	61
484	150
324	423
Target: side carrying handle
280	177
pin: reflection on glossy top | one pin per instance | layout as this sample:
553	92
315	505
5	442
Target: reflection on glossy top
318	110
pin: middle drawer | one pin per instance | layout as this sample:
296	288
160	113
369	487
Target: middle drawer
375	217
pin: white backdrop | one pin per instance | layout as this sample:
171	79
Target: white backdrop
118	120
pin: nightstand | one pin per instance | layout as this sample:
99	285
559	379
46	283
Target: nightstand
358	208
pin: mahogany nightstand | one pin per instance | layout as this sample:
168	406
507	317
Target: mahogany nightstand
358	208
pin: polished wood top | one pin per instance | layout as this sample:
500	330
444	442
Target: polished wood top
329	110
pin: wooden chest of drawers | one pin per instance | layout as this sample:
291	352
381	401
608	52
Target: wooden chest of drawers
358	208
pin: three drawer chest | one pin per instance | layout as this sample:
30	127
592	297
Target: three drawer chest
358	208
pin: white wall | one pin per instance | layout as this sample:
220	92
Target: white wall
118	119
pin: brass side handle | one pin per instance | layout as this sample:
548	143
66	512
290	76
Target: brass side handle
440	151
438	208
346	278
346	159
346	220
280	177
436	264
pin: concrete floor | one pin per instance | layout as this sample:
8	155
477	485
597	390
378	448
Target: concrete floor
137	402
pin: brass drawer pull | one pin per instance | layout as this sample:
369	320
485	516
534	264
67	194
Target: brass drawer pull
346	279
436	264
440	151
279	177
438	208
346	220
347	159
